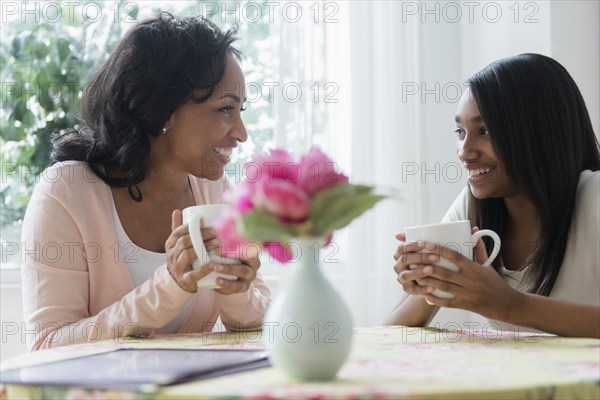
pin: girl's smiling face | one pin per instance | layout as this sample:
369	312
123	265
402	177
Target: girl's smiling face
487	176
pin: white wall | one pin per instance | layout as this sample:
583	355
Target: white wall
575	43
568	31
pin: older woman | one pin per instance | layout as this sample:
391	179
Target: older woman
158	124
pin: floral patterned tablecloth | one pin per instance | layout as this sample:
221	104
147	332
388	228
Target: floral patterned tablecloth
386	362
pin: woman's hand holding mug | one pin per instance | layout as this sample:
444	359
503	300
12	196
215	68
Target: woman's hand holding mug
181	255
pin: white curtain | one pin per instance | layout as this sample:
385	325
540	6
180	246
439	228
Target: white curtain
300	115
358	120
384	54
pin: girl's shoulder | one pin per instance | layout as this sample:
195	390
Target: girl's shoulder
459	208
588	190
588	179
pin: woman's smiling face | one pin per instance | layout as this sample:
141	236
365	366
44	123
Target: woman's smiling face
487	176
201	137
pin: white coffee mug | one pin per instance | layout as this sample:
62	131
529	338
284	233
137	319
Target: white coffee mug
454	235
209	213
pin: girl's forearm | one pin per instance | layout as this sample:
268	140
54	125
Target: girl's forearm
412	311
559	317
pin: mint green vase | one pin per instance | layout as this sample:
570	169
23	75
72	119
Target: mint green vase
308	327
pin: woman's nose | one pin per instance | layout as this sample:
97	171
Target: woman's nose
239	131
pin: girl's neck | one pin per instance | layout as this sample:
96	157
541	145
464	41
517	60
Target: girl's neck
521	233
522	214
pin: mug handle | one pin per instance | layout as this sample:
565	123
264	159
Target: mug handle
487	232
197	242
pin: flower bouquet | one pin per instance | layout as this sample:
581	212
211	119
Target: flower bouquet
282	199
292	208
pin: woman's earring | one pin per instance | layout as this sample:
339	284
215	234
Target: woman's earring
164	130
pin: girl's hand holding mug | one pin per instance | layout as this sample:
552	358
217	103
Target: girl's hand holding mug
412	265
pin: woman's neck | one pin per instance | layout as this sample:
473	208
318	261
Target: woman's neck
164	186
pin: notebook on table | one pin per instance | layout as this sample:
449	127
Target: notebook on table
142	370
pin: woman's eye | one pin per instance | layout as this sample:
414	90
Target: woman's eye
244	107
484	131
229	109
460	133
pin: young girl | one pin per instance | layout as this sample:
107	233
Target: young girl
111	255
525	137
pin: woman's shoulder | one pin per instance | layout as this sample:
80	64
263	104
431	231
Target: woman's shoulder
69	196
69	177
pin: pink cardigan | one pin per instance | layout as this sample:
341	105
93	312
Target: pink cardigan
76	286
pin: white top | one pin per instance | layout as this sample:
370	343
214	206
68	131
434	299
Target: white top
142	264
579	277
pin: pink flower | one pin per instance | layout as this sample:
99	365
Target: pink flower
274	202
328	240
278	251
232	243
277	165
241	197
319	172
282	199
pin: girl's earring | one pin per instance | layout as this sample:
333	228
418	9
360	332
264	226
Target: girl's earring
164	130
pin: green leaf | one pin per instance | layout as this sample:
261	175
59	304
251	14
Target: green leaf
40	50
336	207
342	211
63	49
18	111
324	201
28	119
25	155
16	47
8	131
133	11
257	225
28	41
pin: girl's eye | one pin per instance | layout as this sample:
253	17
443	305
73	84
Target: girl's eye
244	107
484	131
460	133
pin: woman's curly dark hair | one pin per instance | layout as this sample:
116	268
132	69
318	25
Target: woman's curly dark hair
154	69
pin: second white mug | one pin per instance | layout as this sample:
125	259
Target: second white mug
457	236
